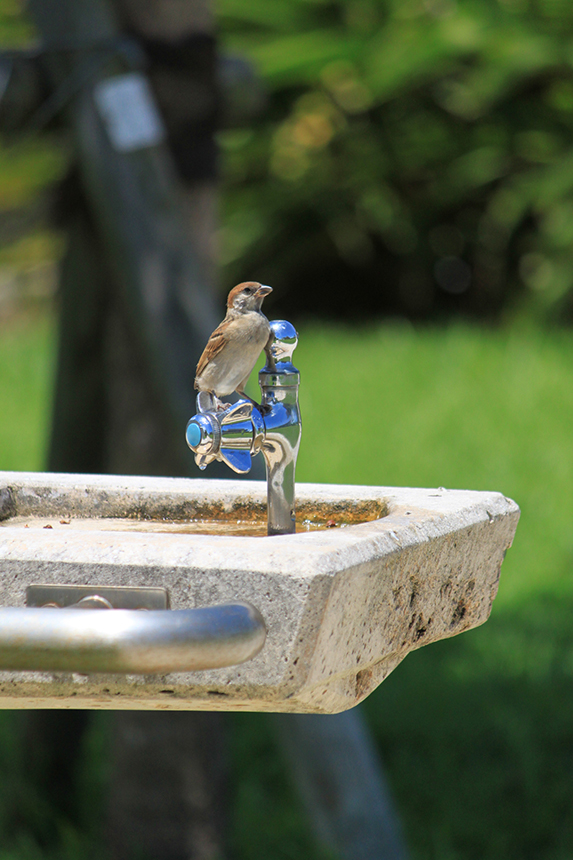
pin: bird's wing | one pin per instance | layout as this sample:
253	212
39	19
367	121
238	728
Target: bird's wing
214	346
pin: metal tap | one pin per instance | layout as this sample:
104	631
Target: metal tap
238	431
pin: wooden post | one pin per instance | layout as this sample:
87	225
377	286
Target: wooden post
159	282
136	310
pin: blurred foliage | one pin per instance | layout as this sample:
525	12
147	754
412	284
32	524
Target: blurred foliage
15	27
417	152
31	166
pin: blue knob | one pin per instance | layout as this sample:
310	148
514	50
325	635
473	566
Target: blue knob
193	434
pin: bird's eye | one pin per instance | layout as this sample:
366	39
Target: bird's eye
248	290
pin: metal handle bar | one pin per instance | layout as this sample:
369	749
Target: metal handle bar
127	640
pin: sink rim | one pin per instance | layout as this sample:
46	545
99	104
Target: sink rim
211	498
325	549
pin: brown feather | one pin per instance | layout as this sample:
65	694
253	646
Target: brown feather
214	346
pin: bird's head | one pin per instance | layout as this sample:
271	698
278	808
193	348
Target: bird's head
248	296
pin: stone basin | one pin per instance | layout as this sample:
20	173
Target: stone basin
372	573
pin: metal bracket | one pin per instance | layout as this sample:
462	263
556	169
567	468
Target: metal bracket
97	597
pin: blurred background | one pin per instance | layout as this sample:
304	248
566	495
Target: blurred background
406	187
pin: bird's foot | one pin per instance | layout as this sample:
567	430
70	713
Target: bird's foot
209	402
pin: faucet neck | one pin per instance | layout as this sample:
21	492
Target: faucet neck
279	388
283	377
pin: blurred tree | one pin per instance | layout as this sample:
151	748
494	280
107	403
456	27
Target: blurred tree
416	151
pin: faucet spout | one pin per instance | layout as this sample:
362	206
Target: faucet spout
279	387
239	431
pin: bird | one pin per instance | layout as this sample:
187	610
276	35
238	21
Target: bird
235	345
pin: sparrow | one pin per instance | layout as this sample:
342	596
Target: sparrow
235	345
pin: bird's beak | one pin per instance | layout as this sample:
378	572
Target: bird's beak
264	291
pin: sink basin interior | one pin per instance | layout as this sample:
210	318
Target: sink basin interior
241	518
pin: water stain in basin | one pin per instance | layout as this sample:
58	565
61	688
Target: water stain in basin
250	522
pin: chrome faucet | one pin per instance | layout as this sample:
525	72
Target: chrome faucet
240	430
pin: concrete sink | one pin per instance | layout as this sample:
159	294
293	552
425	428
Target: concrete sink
372	573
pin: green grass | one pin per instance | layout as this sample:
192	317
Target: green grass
26	360
476	732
